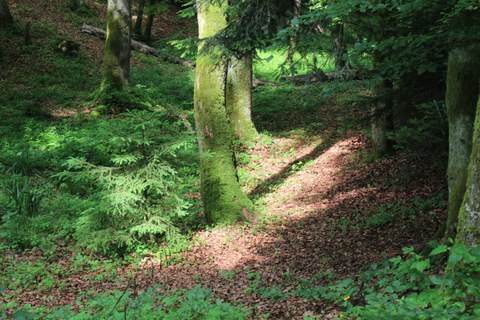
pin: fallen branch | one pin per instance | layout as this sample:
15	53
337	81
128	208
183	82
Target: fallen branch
138	46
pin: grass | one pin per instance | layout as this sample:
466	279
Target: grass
269	64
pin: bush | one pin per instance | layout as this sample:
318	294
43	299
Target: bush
129	177
197	303
410	288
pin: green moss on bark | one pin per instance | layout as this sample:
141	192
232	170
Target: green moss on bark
224	201
469	216
116	65
239	99
461	97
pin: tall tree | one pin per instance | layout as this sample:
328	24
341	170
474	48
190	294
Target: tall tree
137	28
469	216
462	94
116	65
339	45
223	199
147	33
239	99
6	19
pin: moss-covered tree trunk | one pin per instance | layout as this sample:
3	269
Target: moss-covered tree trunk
461	97
239	99
116	65
223	199
468	230
137	28
147	33
381	120
6	19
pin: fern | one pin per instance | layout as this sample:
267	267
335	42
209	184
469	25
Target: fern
135	188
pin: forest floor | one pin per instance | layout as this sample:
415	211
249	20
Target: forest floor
325	208
323	205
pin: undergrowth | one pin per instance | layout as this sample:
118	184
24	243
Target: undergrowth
197	303
412	286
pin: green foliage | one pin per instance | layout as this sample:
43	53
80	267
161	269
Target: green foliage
409	287
386	215
425	133
129	177
197	303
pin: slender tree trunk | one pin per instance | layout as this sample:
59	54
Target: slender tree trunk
382	120
116	65
223	199
461	97
147	33
239	99
339	46
6	19
292	45
469	216
137	29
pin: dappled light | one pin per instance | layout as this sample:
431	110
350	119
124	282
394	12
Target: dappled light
236	160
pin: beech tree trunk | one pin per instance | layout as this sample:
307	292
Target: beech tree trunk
223	199
116	65
461	97
239	99
6	19
137	29
468	230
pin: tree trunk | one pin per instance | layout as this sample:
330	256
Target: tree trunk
223	199
461	97
137	29
339	46
147	33
116	65
468	230
6	19
239	99
292	44
381	120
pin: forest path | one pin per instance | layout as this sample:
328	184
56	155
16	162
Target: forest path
322	208
314	193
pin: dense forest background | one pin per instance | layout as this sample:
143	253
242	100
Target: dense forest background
241	159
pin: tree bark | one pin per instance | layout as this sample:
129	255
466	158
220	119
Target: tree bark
223	199
462	94
339	46
147	33
6	19
381	120
292	44
239	99
116	65
137	29
468	230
